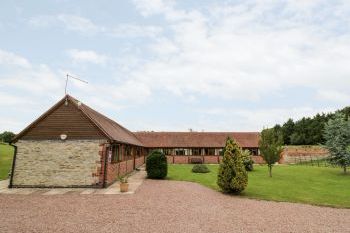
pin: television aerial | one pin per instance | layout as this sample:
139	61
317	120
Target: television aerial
68	76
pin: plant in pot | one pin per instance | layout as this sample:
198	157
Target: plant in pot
123	184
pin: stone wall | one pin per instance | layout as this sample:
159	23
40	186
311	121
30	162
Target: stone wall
56	163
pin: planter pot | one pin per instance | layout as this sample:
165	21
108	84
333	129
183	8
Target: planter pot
124	187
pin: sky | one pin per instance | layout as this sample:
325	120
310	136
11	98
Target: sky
176	65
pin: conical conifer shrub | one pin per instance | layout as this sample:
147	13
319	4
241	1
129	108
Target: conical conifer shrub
232	175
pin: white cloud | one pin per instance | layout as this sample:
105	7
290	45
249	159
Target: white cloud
87	56
242	119
247	50
78	23
334	96
133	30
9	58
38	81
86	26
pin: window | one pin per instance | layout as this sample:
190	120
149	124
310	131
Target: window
254	151
221	152
209	151
127	152
179	152
115	154
168	151
196	151
138	152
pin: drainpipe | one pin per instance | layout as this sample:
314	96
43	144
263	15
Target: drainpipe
13	164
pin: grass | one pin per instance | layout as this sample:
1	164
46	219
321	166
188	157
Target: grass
291	183
6	155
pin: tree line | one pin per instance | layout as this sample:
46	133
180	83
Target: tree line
6	136
307	130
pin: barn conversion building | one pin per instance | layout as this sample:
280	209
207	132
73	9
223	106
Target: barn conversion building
72	145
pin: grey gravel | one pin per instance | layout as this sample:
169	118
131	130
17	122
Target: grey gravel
164	206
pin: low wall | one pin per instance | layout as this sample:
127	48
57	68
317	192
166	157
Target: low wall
211	159
208	159
295	154
122	168
139	161
53	163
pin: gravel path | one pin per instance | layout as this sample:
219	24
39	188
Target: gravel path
164	206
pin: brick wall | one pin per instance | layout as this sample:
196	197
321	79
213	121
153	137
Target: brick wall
294	154
258	159
50	163
139	161
122	168
211	159
180	159
207	159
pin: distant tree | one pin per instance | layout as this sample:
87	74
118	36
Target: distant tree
232	176
307	130
287	131
337	135
270	145
7	136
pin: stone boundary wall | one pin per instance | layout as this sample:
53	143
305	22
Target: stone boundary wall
294	154
55	163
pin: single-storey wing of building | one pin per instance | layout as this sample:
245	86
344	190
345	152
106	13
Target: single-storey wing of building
72	145
202	147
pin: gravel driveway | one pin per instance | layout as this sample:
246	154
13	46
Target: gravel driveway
164	206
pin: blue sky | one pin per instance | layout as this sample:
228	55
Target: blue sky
175	65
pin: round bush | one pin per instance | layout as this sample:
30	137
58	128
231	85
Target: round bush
156	165
200	168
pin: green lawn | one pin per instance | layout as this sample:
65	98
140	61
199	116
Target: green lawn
305	184
6	155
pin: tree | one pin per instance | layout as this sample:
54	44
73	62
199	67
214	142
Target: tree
287	130
270	145
337	135
232	176
6	136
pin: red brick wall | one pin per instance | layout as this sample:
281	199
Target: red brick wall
169	159
116	169
292	154
181	159
122	168
211	159
258	159
139	161
102	154
112	172
129	165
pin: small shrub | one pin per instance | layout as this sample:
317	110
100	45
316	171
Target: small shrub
156	165
200	168
247	160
